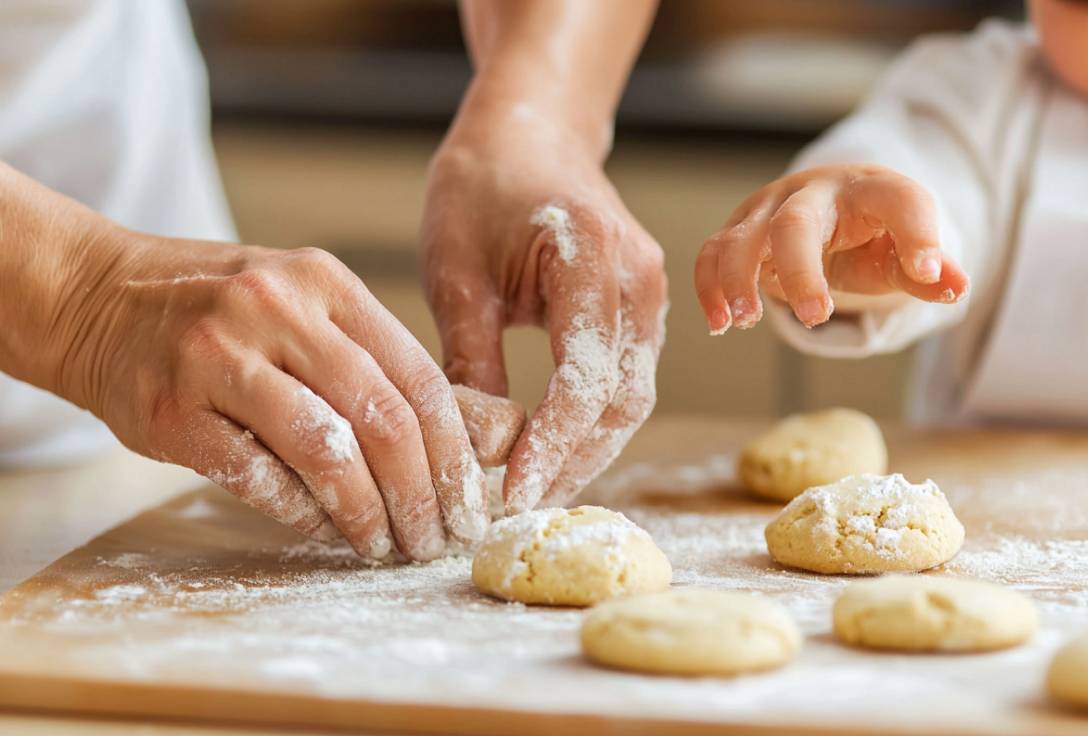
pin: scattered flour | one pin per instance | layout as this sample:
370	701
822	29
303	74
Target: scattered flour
316	418
554	218
128	561
198	509
326	623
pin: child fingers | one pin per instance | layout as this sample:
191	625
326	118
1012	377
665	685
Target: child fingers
727	269
799	231
907	211
741	251
876	269
709	290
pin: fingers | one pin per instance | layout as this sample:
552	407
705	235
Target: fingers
643	334
578	282
456	476
493	424
876	269
302	430
728	266
708	289
387	431
799	230
907	211
231	457
470	321
743	249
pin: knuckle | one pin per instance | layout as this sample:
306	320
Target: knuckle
431	392
319	261
389	419
417	513
262	288
731	238
310	522
792	218
364	520
206	342
708	253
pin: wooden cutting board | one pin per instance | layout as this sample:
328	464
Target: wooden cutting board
203	609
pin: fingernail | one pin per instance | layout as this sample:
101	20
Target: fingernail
929	269
811	312
719	322
381	546
745	313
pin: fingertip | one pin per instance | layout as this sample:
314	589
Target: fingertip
813	311
719	321
927	267
747	311
951	295
380	546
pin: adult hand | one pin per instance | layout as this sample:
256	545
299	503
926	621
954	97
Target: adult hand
522	227
274	373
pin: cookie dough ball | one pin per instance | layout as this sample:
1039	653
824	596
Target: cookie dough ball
922	613
690	632
1067	678
808	450
568	557
866	524
493	424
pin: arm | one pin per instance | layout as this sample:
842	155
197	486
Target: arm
46	275
568	61
275	374
521	226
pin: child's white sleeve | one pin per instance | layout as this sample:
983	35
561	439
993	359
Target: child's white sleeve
935	118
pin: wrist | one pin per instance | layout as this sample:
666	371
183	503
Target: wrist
54	256
516	96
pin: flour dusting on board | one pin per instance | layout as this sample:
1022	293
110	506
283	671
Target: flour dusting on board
314	619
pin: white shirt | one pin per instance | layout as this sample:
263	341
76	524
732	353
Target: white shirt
1002	144
106	102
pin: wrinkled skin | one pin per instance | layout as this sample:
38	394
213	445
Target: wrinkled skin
274	373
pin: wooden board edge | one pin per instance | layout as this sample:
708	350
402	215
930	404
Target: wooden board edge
43	694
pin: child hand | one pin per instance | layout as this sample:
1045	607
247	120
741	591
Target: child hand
859	229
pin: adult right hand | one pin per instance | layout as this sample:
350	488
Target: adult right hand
276	374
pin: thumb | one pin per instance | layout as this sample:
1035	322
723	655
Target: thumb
470	323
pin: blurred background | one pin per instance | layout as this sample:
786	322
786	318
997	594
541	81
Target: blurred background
326	113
